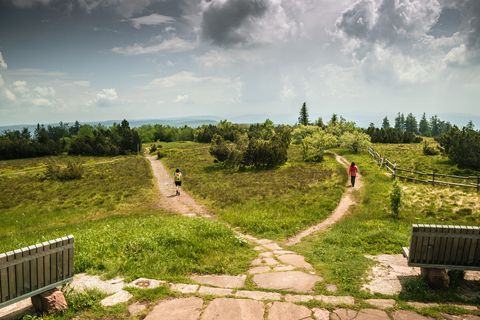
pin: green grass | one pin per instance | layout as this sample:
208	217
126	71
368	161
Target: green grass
274	203
370	229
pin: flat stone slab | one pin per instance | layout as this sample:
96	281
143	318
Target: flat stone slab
84	281
272	246
136	308
321	314
381	303
214	291
259	295
261	269
283	268
295	260
264	241
184	288
264	262
222	281
121	296
234	309
298	298
267	254
296	281
16	310
462	317
288	311
177	309
385	276
421	305
365	314
336	300
408	315
144	283
282	252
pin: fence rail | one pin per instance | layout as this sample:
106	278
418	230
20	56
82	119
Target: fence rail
432	178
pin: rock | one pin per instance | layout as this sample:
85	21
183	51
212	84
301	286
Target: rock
408	315
267	254
331	288
298	298
264	241
282	252
466	307
421	305
261	269
283	268
259	295
259	248
462	317
177	309
136	308
343	314
272	246
234	309
121	296
83	282
381	303
472	275
184	288
49	301
372	314
296	281
321	314
222	281
214	291
144	283
295	260
336	300
287	311
436	278
16	310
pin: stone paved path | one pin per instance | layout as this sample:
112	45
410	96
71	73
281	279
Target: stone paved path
342	208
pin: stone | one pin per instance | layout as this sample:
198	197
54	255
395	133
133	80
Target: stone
177	309
462	317
184	288
296	281
259	295
421	305
336	300
298	298
264	241
261	269
234	309
121	296
136	308
259	248
472	275
144	283
49	301
222	281
16	310
466	307
436	278
385	276
282	252
264	262
295	260
83	282
372	314
343	314
288	311
214	291
267	254
408	315
381	303
281	268
272	246
321	314
331	288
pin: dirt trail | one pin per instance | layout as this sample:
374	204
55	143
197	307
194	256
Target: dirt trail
342	208
183	204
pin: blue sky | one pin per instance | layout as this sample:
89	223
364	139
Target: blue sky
112	59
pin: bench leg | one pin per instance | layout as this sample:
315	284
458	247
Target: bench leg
436	278
50	301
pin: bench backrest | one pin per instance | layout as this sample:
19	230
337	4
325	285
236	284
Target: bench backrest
448	247
32	270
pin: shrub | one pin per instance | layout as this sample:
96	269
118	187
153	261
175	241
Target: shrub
430	149
161	154
395	199
70	170
153	148
355	141
462	147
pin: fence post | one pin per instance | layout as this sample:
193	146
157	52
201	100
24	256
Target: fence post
433	178
381	163
478	183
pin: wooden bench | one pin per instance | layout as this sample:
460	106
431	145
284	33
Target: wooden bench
30	271
438	248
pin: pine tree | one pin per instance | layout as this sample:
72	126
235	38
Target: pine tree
470	125
385	123
424	126
333	120
435	126
319	123
399	122
411	125
303	118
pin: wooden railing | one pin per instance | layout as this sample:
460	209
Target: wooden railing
32	270
432	178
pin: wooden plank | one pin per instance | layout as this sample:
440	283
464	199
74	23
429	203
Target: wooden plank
33	269
3	279
424	248
26	271
413	244
444	246
12	285
46	263
40	266
453	256
18	273
461	247
70	256
53	262
476	256
437	238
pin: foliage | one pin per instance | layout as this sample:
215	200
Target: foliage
430	149
153	148
462	147
158	132
225	129
395	199
314	146
356	141
161	154
391	135
303	117
71	170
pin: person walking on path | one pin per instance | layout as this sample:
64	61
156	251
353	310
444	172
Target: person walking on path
178	181
352	172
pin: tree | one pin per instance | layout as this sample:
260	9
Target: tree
424	126
333	120
319	123
355	141
462	147
435	126
411	125
385	123
400	122
303	118
470	125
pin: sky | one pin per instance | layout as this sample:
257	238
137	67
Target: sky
94	60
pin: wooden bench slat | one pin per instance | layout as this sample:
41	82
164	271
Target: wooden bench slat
3	280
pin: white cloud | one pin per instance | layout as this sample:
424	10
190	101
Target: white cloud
171	45
10	95
151	20
20	87
181	98
3	64
106	97
126	8
45	91
41	102
223	58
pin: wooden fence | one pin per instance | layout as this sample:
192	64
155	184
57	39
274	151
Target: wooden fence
35	269
432	178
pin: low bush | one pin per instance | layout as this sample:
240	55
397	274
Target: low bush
430	149
161	155
71	170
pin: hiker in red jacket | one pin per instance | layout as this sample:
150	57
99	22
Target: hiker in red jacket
352	172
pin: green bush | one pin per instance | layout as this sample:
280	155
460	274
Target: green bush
70	170
430	149
462	147
395	199
153	148
161	155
